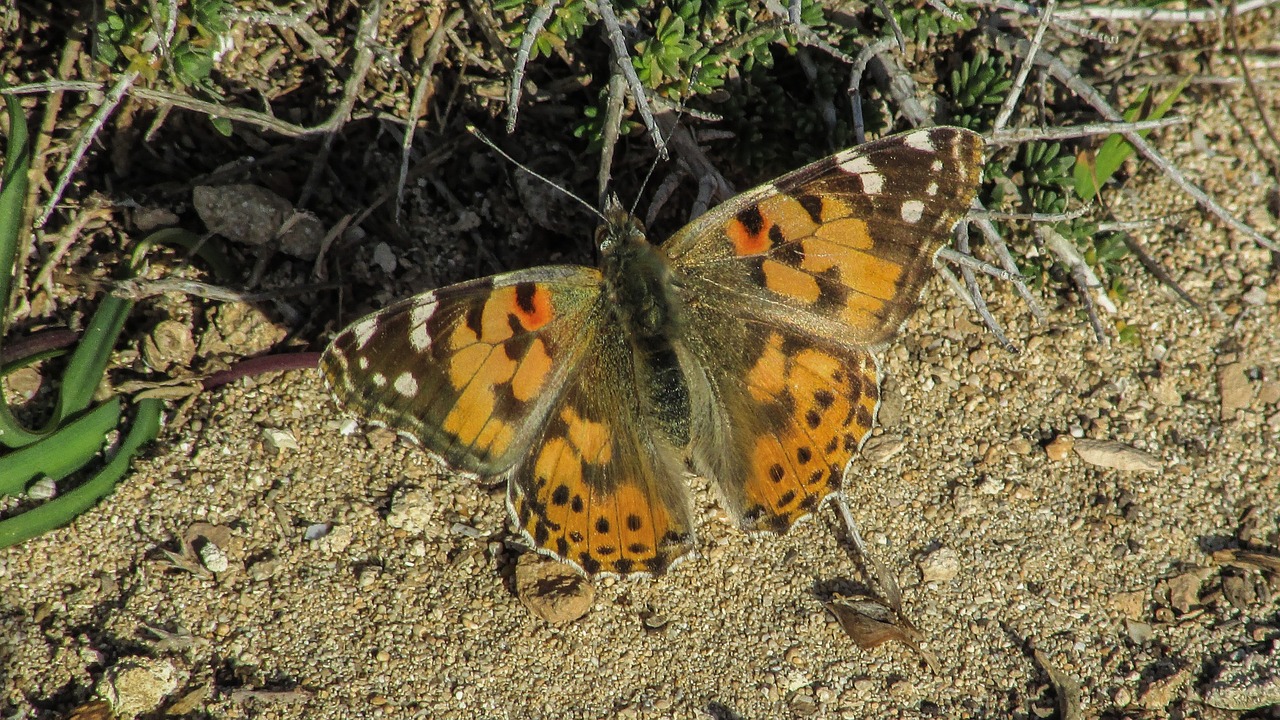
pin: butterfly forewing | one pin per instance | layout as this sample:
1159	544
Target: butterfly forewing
841	247
469	370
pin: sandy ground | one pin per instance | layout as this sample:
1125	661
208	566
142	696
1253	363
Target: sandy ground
1108	573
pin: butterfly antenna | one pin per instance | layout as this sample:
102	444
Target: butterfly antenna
484	139
666	140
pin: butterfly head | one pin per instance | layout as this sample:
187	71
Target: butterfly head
619	230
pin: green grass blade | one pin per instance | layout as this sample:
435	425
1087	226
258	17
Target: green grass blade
13	196
60	453
62	510
89	362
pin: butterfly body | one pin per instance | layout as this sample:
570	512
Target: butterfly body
740	348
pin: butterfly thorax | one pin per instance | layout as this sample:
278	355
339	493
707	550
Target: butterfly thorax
641	294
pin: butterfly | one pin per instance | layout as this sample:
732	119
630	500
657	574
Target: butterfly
740	348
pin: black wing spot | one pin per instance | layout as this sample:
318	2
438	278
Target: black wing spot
623	565
813	418
812	204
751	219
804	455
637	548
524	296
560	496
634	522
776	473
602	526
787	498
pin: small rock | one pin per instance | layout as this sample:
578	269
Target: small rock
1060	448
316	531
384	258
239	329
1184	589
44	488
892	405
213	558
1248	680
1235	389
168	345
1160	693
246	214
413	510
1129	604
302	235
279	439
1118	456
941	565
137	685
1165	391
1239	591
879	449
1269	393
338	539
24	382
1139	632
552	590
1255	295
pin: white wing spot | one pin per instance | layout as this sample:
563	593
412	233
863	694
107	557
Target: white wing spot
854	164
406	385
419	336
364	330
932	189
912	211
378	379
936	166
851	161
920	141
363	362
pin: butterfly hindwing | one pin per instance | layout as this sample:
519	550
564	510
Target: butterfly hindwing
602	488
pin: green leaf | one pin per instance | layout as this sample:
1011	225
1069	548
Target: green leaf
1090	175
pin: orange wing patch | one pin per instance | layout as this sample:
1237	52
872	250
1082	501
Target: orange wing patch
829	401
585	502
602	489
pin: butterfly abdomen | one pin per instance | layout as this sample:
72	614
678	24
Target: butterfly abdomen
639	287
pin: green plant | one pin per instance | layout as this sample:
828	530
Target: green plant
1092	172
130	35
977	88
76	432
1046	175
